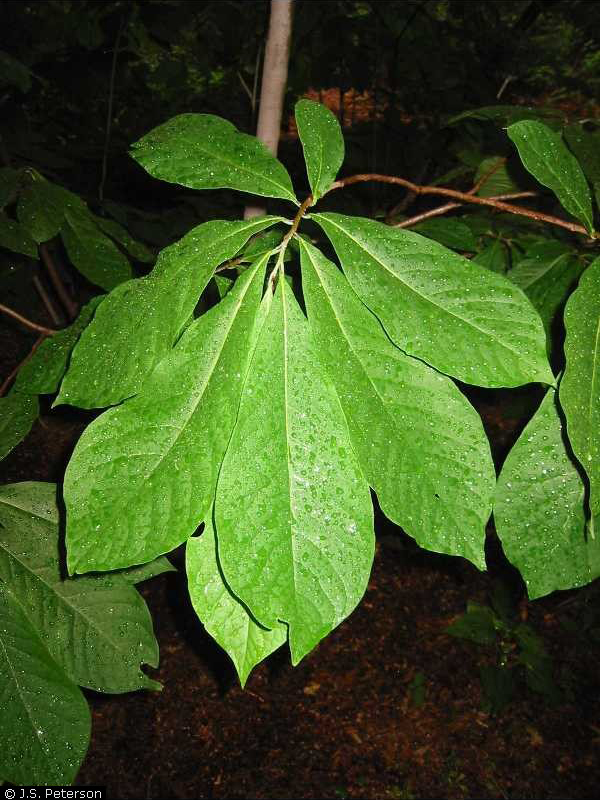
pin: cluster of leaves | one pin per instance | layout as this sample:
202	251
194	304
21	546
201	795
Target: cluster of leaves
270	417
517	651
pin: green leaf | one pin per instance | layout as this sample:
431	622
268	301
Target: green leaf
539	510
41	210
14	73
322	142
546	274
223	616
450	232
111	362
43	372
121	235
438	306
98	630
586	147
18	412
45	719
206	152
92	253
10	181
580	384
262	244
498	182
143	475
506	115
477	624
420	443
493	257
293	511
16	237
546	157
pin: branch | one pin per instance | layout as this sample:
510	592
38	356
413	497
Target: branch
437	212
463	197
13	374
69	305
27	322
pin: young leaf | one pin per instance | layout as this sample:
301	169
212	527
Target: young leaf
18	412
16	237
46	722
98	630
420	443
539	510
111	362
438	306
293	511
223	616
43	372
322	142
143	475
580	384
206	152
546	157
92	253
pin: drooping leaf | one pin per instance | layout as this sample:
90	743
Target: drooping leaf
546	274
420	443
43	372
111	362
18	412
41	210
493	257
547	158
293	512
586	147
450	232
322	142
206	152
438	306
45	719
15	237
539	509
223	616
143	475
98	631
121	235
580	384
92	253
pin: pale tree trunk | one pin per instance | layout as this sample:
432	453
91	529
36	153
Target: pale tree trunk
274	80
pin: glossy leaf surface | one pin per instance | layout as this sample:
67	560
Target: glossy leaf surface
143	475
206	152
18	412
223	616
547	158
580	385
293	511
111	362
420	443
99	631
322	142
45	718
539	512
436	305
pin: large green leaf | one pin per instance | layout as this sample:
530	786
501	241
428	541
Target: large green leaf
293	511
420	443
546	274
98	631
43	372
45	720
322	142
16	237
438	306
546	156
539	512
580	385
18	412
223	616
143	475
206	152
95	255
112	359
41	209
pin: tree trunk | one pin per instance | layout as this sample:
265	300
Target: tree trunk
274	80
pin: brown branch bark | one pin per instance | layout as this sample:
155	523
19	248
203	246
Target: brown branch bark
27	322
440	210
69	305
463	197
